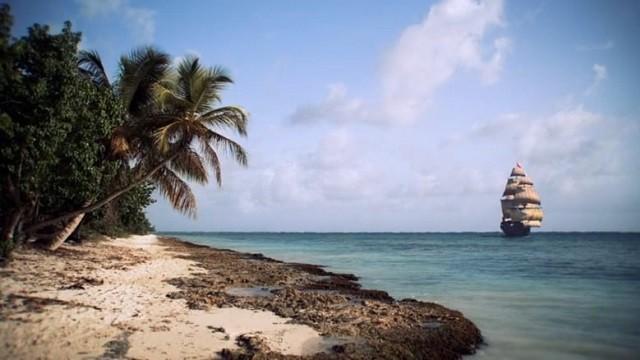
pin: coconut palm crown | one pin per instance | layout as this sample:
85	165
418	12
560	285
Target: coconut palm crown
175	121
172	129
188	128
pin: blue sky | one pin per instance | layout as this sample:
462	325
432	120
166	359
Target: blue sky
401	116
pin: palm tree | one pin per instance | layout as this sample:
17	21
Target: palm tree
171	131
188	128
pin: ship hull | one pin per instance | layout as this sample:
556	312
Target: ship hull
514	229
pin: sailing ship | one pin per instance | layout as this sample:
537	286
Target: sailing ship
520	204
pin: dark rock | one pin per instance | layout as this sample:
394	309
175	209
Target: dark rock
334	304
215	329
80	283
117	348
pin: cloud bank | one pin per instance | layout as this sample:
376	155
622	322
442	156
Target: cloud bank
343	176
571	148
428	54
451	38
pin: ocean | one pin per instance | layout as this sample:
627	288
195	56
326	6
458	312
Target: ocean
545	296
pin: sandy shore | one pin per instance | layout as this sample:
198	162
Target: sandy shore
148	298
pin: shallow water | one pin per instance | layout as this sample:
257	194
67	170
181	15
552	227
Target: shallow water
549	295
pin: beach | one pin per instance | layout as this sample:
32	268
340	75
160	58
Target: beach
149	297
545	296
362	199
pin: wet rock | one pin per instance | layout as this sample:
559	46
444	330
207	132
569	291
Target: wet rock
319	270
117	348
216	329
334	304
176	295
252	343
81	283
286	312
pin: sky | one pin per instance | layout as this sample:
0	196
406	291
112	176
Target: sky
400	115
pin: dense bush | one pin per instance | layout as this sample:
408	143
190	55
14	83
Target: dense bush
122	216
79	147
55	127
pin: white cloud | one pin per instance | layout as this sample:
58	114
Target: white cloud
428	54
569	148
331	172
573	150
452	37
345	170
584	164
492	69
599	74
578	151
140	21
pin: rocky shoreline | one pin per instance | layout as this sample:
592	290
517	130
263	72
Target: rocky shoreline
150	297
366	324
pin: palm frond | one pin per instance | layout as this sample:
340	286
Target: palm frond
90	64
188	70
176	191
166	135
207	87
140	71
211	158
229	146
220	76
199	86
166	97
189	164
233	117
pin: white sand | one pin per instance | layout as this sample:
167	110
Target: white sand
134	307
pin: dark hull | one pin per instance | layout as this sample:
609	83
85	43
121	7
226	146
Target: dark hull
513	229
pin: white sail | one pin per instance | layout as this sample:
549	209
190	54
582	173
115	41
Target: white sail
532	214
532	223
511	189
507	205
524	180
520	201
527	196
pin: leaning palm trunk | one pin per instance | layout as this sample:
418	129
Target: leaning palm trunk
62	235
73	215
8	231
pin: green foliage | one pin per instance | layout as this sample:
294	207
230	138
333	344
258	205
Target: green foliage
56	122
55	130
74	142
125	215
172	132
131	208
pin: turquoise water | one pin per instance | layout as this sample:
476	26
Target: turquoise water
546	296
